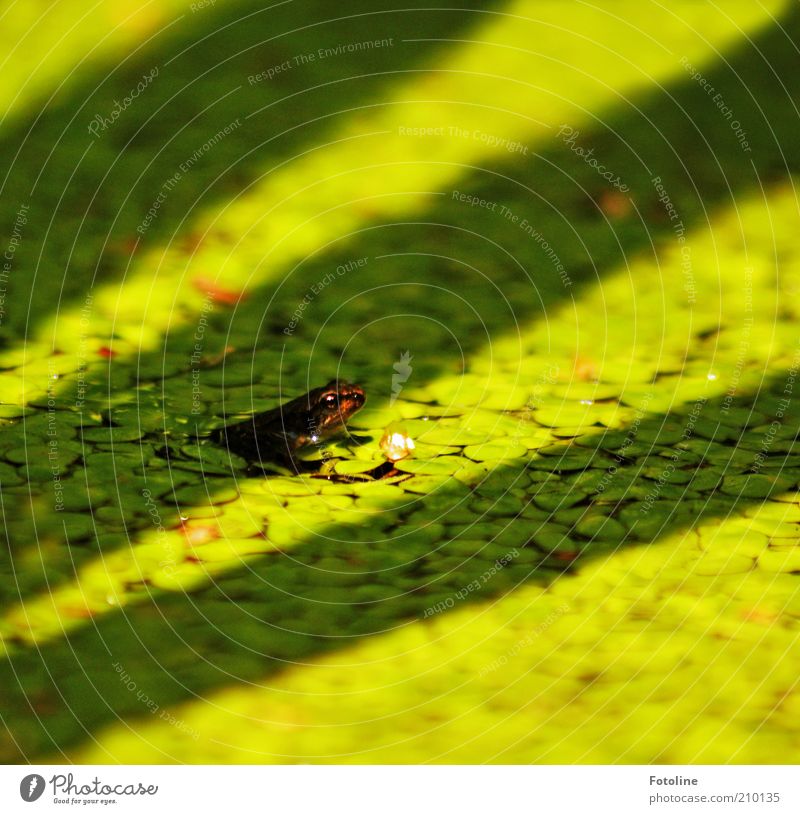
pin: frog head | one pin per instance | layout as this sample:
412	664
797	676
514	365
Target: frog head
330	406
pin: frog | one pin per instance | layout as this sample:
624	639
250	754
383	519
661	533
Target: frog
278	435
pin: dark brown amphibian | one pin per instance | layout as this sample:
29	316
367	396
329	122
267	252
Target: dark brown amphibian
276	435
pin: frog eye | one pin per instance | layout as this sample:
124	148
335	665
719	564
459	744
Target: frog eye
330	400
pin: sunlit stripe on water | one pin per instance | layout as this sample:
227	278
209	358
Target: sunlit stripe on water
501	91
